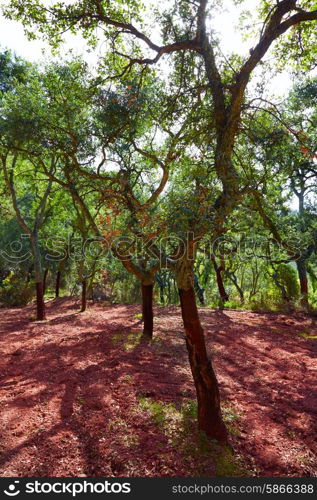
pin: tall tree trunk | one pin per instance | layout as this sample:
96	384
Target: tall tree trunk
234	280
303	280
45	280
301	262
40	304
207	391
147	278
39	284
57	284
83	296
147	310
199	291
221	288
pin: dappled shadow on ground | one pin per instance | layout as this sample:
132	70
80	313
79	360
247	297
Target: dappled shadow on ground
72	385
70	393
268	373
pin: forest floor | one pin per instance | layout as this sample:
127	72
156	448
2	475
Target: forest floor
83	395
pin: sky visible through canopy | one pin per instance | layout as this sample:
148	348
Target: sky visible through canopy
225	23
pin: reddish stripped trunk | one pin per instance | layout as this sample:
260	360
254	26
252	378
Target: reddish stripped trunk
221	288
207	391
40	304
57	284
222	292
84	296
147	310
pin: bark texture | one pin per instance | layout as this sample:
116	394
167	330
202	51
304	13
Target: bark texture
57	284
83	296
40	304
207	391
147	310
45	280
221	287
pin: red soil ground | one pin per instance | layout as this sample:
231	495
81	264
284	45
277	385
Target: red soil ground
73	390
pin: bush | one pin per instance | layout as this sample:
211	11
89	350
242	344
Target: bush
233	304
287	276
262	305
15	292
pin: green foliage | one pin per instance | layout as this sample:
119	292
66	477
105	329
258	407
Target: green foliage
108	138
13	70
14	292
288	278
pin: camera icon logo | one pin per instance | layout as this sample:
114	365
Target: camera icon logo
13	492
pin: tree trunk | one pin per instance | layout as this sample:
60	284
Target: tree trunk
39	283
224	297
222	292
207	391
303	280
301	263
45	281
281	287
199	291
57	284
234	280
40	304
84	296
147	310
162	295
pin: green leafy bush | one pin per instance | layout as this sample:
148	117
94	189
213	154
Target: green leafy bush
15	292
288	277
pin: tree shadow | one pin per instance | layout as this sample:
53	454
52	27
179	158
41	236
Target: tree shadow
86	386
269	374
71	398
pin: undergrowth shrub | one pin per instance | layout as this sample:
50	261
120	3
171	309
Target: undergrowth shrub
15	292
287	276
